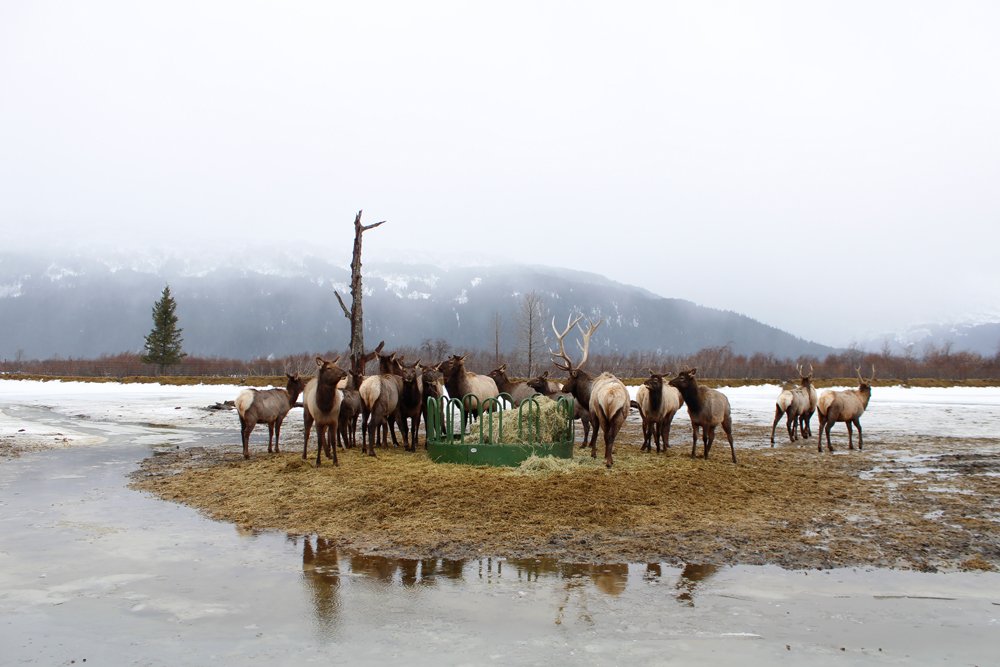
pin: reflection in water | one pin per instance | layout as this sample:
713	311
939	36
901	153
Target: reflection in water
320	571
326	569
689	579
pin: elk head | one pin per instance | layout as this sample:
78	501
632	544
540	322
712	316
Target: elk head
865	384
452	366
574	373
388	364
413	375
656	380
295	384
804	380
329	373
359	367
685	379
499	375
540	383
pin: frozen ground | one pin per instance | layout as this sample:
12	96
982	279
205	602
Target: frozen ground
90	569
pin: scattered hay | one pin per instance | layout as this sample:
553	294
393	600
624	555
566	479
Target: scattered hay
546	465
976	563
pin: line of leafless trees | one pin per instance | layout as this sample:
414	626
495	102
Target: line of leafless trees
712	362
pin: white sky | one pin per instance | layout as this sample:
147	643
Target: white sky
829	168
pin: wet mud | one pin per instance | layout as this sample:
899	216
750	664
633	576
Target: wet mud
909	502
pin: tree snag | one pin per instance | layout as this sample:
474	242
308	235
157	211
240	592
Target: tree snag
355	314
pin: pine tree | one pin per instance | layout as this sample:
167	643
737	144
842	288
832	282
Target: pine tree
163	344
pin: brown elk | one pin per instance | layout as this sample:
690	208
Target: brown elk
350	411
321	404
411	399
797	405
468	387
546	387
432	389
658	402
609	399
707	408
380	395
518	391
844	406
267	407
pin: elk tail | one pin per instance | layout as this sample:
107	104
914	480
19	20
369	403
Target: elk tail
244	401
370	390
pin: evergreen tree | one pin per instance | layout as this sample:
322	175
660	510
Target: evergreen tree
163	344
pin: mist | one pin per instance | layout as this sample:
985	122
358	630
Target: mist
828	169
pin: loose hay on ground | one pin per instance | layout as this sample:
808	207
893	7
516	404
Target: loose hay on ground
785	506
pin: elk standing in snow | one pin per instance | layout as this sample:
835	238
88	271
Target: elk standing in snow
707	408
321	404
546	387
797	405
267	407
609	399
658	402
844	406
518	391
468	387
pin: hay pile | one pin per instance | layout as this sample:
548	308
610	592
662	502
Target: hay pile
547	424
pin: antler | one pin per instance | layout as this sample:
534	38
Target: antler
562	350
585	346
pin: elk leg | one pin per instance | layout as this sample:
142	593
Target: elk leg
307	422
777	417
857	422
727	426
248	426
277	434
850	434
270	436
789	424
709	439
320	443
829	425
666	432
694	439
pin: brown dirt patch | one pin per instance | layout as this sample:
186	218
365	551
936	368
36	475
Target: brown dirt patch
787	505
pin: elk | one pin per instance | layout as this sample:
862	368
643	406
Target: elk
609	399
411	395
658	402
380	396
844	406
267	407
350	410
707	408
546	387
321	404
468	387
432	389
518	391
797	405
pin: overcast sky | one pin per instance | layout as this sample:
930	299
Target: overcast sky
832	169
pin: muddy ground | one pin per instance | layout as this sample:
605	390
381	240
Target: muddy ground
905	502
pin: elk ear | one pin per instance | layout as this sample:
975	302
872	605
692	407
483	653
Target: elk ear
319	360
290	376
502	368
337	360
417	363
463	357
545	375
693	371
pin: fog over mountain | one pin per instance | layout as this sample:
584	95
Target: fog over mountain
268	303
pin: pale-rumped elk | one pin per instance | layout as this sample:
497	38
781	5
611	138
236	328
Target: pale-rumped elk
432	389
609	400
267	407
796	405
380	395
350	411
546	387
518	391
658	402
321	404
707	408
844	406
411	399
468	387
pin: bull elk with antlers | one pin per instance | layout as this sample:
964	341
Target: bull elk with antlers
546	387
797	405
470	388
844	406
608	399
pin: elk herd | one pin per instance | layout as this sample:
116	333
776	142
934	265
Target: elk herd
334	400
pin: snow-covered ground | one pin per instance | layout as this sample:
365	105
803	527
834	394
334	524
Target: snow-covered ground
967	412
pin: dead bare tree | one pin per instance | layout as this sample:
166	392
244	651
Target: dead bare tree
529	320
355	314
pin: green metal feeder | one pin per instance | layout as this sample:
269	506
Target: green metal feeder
448	441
